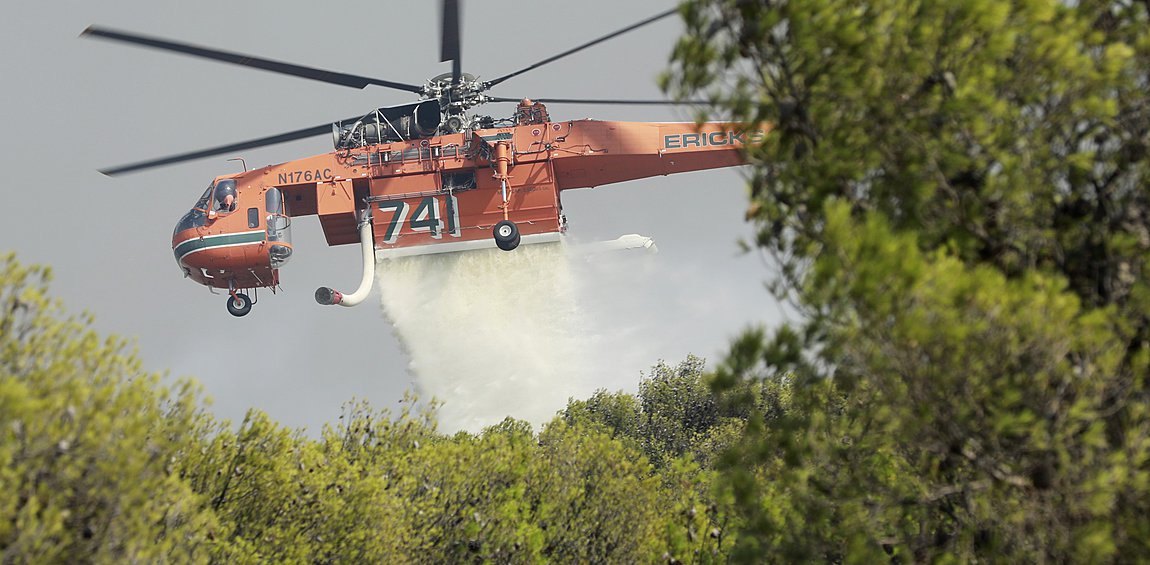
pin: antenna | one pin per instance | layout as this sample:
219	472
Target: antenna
241	160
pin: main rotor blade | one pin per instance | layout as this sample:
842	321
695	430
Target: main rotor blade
343	79
604	101
611	35
251	144
449	40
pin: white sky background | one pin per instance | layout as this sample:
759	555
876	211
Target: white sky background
71	106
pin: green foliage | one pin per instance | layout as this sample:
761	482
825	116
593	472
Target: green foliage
100	463
87	442
1012	132
674	415
678	409
956	194
383	489
962	424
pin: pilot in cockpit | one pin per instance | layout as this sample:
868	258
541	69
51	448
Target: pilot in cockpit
225	197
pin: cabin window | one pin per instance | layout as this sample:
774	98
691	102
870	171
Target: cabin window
278	227
253	217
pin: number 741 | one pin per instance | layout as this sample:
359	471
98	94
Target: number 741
427	217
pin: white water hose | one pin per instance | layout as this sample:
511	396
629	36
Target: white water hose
327	296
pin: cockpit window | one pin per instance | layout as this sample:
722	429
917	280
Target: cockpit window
220	197
224	196
202	203
193	219
198	215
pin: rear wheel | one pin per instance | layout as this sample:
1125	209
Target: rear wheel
239	305
506	235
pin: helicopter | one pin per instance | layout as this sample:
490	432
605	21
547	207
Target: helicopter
418	178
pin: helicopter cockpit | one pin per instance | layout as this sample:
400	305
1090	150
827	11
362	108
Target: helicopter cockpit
219	198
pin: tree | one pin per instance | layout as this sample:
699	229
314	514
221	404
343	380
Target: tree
682	427
956	194
675	414
346	497
87	441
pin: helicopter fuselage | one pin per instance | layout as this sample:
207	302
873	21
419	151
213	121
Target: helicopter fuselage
439	194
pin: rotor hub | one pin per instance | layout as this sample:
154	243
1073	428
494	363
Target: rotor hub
456	98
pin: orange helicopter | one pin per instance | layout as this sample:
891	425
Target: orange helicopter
418	178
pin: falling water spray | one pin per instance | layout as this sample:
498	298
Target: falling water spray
491	334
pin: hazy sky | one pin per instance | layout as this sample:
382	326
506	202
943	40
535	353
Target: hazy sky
71	106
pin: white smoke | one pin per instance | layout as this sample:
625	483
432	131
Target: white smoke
490	333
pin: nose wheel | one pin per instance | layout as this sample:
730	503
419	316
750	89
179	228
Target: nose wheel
239	304
506	235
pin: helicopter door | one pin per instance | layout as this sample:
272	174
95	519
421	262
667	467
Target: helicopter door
279	228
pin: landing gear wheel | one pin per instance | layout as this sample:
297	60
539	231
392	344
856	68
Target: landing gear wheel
506	235
240	305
